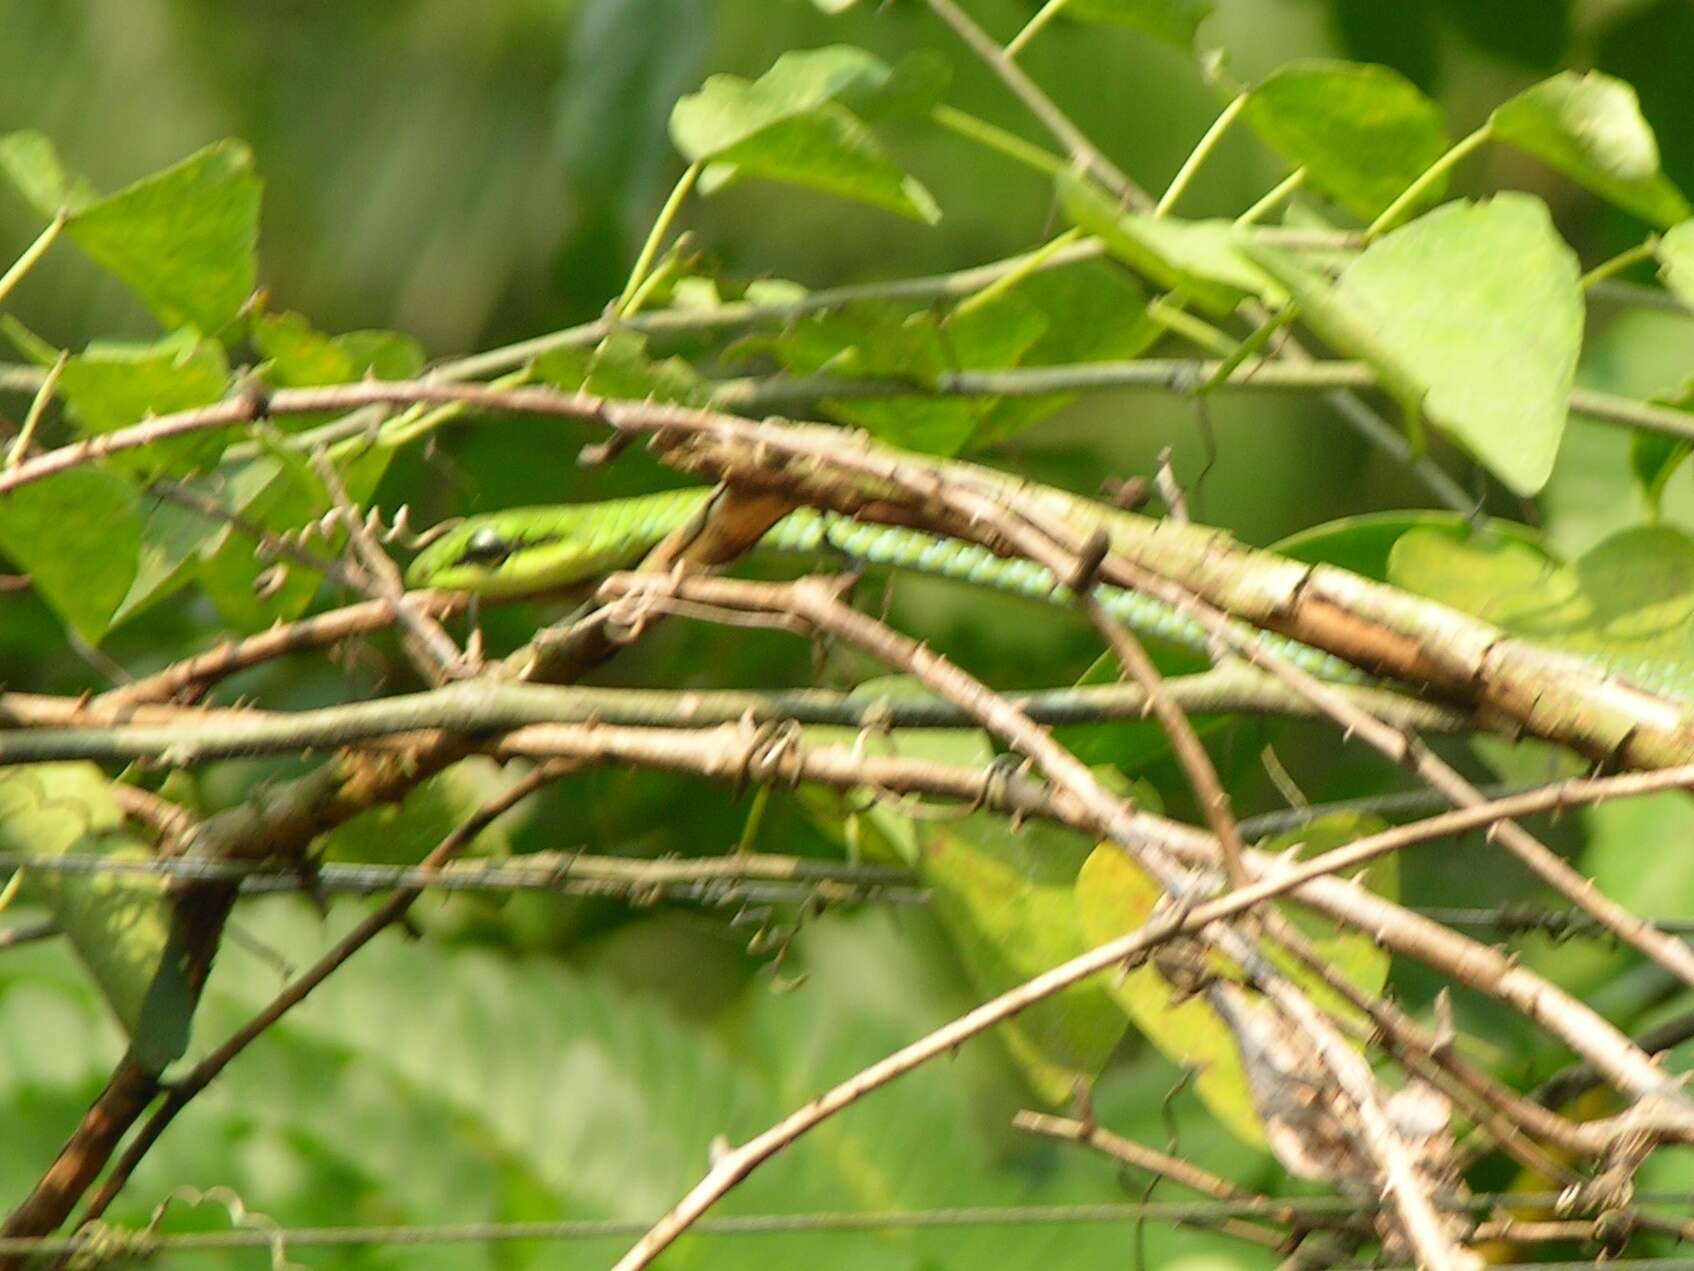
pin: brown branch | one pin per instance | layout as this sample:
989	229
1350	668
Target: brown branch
818	603
195	674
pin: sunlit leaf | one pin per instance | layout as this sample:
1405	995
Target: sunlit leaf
1204	260
826	149
791	125
182	239
1114	896
1350	954
78	534
1589	127
1628	603
112	385
120	924
1676	261
1476	307
1361	133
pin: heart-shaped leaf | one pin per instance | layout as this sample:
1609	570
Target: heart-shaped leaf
1472	312
1590	127
120	925
183	239
1362	133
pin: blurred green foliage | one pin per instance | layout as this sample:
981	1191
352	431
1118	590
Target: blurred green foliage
470	175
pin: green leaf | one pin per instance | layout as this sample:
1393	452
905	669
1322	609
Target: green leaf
729	110
1654	459
78	534
30	162
913	88
791	125
299	355
1206	261
1590	127
620	366
1627	603
1362	133
1114	896
1477	306
1094	312
1172	20
1676	261
121	925
115	384
1362	544
824	149
182	239
171	536
883	341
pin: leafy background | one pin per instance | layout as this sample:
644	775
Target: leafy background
471	177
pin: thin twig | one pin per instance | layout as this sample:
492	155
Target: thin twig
1038	103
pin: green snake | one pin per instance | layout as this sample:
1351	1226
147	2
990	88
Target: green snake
526	550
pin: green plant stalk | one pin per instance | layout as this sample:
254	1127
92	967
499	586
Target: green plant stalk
656	236
1416	190
31	254
1622	261
1169	313
1201	152
1031	264
1280	191
998	140
37	408
1256	340
1034	27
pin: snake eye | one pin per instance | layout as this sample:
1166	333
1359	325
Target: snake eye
487	546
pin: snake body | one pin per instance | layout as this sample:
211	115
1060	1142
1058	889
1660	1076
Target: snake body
526	550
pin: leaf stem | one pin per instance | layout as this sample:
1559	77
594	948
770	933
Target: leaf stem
1283	188
34	252
1034	27
656	236
1432	174
37	408
1033	263
998	139
1200	153
1622	261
